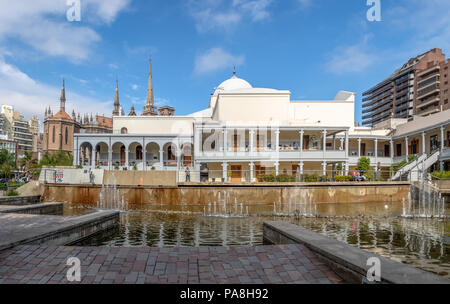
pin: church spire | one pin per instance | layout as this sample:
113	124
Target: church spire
133	112
150	109
62	104
116	111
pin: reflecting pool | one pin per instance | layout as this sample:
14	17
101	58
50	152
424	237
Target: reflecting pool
375	227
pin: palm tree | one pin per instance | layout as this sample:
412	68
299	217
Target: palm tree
26	161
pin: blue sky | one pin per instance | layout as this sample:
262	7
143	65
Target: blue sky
311	47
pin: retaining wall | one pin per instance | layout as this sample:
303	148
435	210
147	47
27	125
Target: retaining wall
19	200
247	194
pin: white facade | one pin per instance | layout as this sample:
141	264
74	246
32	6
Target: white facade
244	132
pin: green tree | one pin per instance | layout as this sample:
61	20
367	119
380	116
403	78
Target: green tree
9	158
27	161
57	159
364	164
6	170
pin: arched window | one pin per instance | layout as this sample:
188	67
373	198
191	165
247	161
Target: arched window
170	154
53	134
67	136
124	131
139	153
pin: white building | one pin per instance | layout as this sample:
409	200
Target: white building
249	131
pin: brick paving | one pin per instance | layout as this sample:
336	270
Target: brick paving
281	264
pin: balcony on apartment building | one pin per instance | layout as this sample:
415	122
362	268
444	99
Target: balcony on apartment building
382	98
428	72
430	90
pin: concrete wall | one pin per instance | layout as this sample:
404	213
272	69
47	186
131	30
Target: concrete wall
154	125
66	175
47	209
321	193
142	178
19	200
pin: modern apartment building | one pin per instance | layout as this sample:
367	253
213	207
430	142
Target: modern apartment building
8	145
419	87
17	129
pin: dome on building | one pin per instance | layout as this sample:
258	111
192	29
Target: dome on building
232	84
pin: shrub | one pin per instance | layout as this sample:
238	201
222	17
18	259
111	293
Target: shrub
411	158
399	165
343	178
369	176
311	178
440	175
12	193
284	178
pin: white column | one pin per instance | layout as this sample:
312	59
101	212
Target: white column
144	155
75	152
346	168
442	147
324	168
302	134
424	147
406	148
277	140
376	152
197	141
225	141
277	168
161	159
342	143
359	148
301	166
197	172
83	156
178	155
346	144
127	148
392	148
110	151
92	157
252	141
324	132
225	171
252	172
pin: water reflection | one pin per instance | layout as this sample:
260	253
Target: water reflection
376	227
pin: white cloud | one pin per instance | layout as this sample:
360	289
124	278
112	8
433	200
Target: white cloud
351	59
42	25
216	59
226	15
30	97
134	87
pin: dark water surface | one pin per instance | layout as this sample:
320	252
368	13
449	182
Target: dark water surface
422	243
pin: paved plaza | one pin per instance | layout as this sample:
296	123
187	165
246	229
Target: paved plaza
281	264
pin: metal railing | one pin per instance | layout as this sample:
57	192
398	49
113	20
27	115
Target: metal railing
283	176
